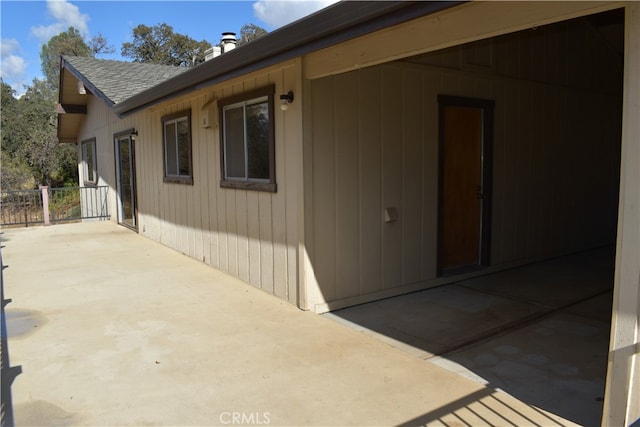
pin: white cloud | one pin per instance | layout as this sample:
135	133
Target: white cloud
277	13
8	46
12	65
65	15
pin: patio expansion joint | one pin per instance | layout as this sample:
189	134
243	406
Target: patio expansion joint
515	325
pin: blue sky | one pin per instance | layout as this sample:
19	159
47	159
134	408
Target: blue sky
27	25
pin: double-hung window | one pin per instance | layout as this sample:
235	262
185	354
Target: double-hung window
247	141
89	169
176	131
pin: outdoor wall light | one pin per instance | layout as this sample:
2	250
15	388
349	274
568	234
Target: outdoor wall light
134	134
285	100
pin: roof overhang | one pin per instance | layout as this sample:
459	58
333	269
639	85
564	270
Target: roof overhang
70	118
335	24
73	98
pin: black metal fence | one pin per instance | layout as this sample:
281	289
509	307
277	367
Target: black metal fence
21	207
51	205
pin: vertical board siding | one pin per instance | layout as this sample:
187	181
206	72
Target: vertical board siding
392	155
323	182
102	124
375	146
279	209
412	169
253	228
430	177
266	242
293	198
347	210
250	235
370	161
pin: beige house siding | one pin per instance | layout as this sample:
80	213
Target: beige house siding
374	144
101	124
248	234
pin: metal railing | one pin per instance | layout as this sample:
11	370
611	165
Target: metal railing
21	207
51	205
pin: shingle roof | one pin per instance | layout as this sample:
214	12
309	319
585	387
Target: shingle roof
119	80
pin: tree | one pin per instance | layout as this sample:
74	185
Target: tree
250	32
69	42
50	162
99	45
31	153
9	126
160	45
15	172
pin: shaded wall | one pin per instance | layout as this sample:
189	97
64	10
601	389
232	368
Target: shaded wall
375	145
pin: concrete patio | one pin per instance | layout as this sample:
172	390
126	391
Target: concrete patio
540	332
111	328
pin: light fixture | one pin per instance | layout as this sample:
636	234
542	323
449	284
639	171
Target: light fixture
134	134
285	100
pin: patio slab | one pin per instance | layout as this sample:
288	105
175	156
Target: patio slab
538	332
558	363
111	328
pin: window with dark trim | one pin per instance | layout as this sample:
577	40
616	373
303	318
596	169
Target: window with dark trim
247	141
176	137
89	168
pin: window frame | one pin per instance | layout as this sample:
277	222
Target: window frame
94	162
176	118
269	184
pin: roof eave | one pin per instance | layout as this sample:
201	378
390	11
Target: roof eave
65	65
347	20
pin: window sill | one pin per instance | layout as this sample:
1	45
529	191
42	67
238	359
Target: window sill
90	184
254	186
178	180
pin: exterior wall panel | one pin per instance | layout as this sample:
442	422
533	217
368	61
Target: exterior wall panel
246	234
101	124
370	161
375	131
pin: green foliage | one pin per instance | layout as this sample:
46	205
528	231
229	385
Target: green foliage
65	204
41	149
15	172
160	45
250	32
31	154
68	43
9	105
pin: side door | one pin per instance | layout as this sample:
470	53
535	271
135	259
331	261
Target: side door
126	179
464	211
